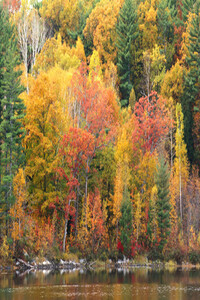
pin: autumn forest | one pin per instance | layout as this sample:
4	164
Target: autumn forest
100	129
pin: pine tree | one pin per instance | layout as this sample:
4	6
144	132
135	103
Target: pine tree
165	15
11	112
127	32
152	226
192	82
163	205
126	225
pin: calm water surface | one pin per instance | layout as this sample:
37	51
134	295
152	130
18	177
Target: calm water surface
137	284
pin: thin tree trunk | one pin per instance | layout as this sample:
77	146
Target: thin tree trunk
86	192
77	208
171	140
180	190
65	234
65	229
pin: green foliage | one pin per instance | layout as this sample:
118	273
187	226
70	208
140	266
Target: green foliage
70	257
163	206
187	6
11	113
103	256
165	30
178	255
155	254
127	32
113	255
126	226
4	250
194	257
192	82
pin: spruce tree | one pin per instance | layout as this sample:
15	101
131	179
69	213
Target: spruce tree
192	82
11	113
126	226
163	205
165	18
127	32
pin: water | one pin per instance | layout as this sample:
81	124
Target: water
137	284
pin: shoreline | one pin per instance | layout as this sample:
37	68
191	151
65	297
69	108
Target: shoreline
21	265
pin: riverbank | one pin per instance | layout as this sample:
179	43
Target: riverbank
142	262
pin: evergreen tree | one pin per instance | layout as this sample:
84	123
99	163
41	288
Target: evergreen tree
152	225
165	17
11	112
127	32
163	205
126	225
192	82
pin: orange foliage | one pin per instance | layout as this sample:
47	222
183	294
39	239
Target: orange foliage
40	236
77	147
92	234
153	121
95	107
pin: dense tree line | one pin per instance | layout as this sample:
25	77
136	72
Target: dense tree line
100	128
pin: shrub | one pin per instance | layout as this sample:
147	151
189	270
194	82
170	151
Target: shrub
194	257
103	256
5	253
177	254
113	255
70	257
154	255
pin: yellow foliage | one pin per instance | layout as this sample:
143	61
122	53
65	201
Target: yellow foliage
95	71
180	172
184	49
181	162
192	238
17	210
4	249
142	183
121	185
154	68
158	66
46	120
154	225
65	16
110	75
55	53
100	27
79	51
132	99
173	82
147	13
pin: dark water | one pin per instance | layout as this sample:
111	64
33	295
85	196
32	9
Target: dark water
138	284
